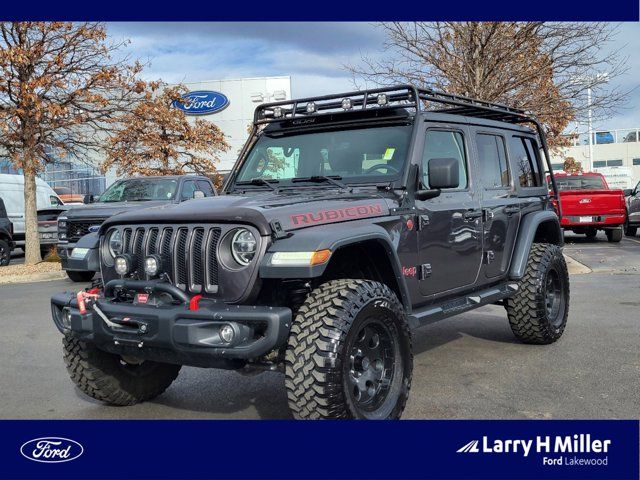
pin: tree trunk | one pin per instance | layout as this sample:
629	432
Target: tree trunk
32	242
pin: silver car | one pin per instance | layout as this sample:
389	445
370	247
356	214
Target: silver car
633	210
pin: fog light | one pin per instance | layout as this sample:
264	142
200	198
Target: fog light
311	107
277	112
346	104
122	265
382	99
227	333
152	265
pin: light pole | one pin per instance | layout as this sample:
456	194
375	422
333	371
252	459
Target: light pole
590	128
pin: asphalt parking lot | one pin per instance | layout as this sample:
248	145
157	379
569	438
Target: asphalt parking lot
468	366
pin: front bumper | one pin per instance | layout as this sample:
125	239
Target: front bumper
89	263
173	333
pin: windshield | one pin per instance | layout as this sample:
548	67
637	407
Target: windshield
363	155
140	190
579	183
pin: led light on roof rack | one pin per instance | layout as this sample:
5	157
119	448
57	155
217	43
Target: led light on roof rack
346	104
277	112
382	99
311	107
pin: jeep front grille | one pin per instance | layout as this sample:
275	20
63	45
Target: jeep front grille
189	254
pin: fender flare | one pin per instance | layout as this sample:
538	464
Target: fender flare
526	236
333	239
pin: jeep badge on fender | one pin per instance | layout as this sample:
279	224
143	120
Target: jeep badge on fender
347	221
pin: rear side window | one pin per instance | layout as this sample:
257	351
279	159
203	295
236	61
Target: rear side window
444	144
3	211
525	161
206	188
492	160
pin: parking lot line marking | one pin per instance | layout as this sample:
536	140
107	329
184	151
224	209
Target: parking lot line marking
633	240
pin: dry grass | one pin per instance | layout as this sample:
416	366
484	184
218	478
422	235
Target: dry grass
31	273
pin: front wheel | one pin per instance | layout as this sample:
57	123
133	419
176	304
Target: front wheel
113	379
538	311
630	231
591	233
349	353
80	276
5	253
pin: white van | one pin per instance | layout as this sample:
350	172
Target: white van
12	193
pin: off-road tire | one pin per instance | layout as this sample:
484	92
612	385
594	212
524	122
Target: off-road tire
529	316
591	233
80	276
319	356
102	375
614	235
5	253
630	231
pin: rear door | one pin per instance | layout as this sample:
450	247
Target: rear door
450	230
500	204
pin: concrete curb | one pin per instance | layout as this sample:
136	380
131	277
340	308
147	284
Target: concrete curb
33	277
575	267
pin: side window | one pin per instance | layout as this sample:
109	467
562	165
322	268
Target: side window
444	144
206	187
492	160
187	190
525	163
54	201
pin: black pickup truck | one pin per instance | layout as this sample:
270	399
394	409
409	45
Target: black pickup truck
77	242
6	236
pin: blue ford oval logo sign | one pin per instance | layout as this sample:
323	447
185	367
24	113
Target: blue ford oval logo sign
51	450
202	102
94	228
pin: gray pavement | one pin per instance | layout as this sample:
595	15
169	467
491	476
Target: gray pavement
468	366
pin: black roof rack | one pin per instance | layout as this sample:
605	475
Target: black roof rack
401	96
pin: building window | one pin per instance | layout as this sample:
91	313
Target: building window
599	164
636	161
557	167
614	163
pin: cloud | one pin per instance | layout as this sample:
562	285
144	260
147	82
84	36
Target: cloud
313	54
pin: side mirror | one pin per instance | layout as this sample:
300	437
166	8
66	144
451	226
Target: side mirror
87	199
198	194
628	192
444	173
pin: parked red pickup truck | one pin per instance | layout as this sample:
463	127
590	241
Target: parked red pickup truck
589	205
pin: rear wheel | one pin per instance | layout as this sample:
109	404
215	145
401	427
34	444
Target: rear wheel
538	311
614	235
5	253
349	353
629	231
80	276
113	379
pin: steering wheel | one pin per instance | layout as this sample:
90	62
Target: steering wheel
380	166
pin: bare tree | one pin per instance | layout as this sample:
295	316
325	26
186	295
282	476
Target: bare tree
155	138
544	68
60	92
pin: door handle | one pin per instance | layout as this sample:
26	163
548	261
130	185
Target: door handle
472	214
511	210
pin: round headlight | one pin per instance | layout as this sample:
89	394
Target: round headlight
114	242
243	246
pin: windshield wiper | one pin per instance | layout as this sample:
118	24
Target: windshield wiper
260	181
333	179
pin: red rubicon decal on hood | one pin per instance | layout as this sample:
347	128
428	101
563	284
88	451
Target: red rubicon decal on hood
336	215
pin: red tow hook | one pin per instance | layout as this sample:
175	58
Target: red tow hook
194	302
83	296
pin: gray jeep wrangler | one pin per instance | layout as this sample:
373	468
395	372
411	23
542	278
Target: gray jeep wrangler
348	221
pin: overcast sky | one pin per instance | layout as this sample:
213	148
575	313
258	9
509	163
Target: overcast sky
313	54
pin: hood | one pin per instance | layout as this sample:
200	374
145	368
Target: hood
293	210
104	210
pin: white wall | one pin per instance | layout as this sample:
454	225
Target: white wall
244	96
